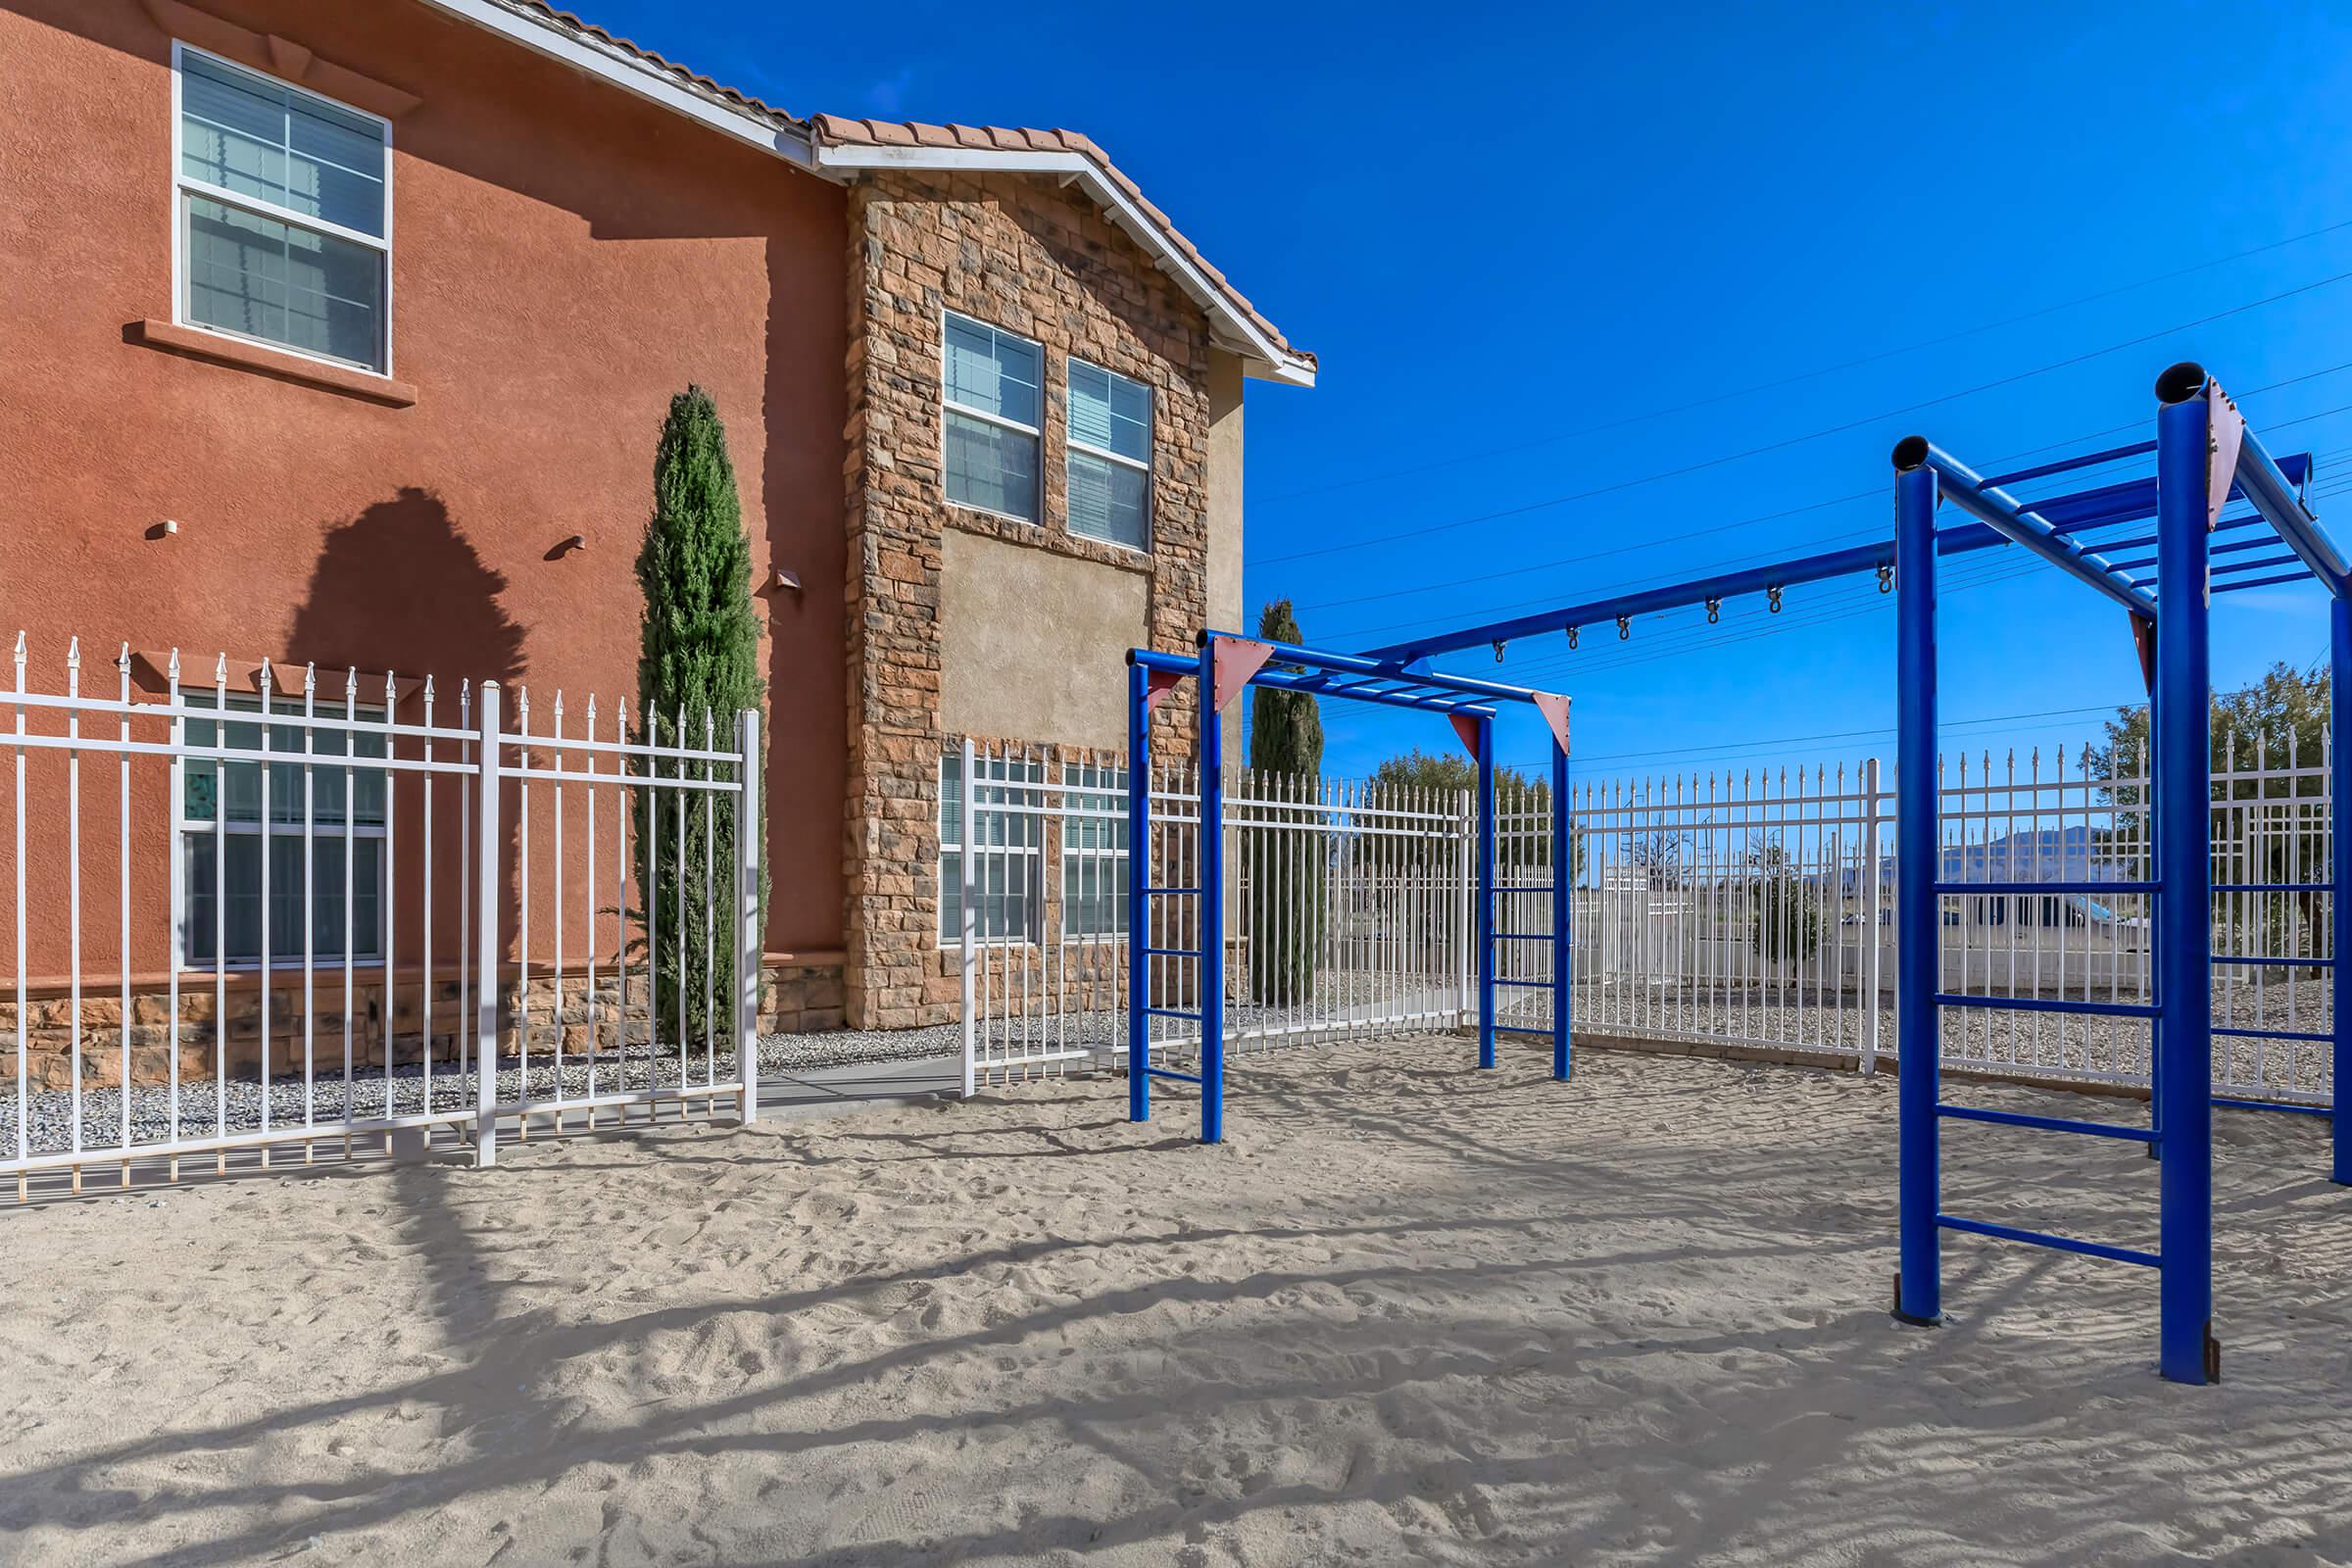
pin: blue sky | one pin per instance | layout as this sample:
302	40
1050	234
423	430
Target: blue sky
1501	227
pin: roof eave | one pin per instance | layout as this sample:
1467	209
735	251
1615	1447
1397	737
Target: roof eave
778	135
1262	358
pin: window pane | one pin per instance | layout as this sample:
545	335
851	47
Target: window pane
1109	501
990	467
254	136
1109	412
242	885
266	280
1094	852
992	372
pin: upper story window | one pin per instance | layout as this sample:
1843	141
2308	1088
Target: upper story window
1110	457
284	220
995	400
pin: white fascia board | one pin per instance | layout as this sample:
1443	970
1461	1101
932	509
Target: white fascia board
1264	359
631	75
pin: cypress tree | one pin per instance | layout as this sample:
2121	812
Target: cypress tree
1286	892
699	657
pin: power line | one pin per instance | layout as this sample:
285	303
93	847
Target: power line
1717	462
1800	377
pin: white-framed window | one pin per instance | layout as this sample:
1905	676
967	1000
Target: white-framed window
223	839
992	391
1110	456
1093	850
283	215
1010	845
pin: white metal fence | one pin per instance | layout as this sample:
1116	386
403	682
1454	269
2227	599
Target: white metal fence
1712	909
1348	909
251	911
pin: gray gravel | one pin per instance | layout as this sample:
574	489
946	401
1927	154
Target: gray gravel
2038	1044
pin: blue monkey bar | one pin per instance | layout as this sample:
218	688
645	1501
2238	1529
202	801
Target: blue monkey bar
2207	460
1224	667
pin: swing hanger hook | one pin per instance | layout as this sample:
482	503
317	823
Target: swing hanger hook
1572	636
1624	627
1714	610
1500	646
1772	595
1886	576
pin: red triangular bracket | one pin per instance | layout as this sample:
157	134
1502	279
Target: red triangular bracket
1466	725
2229	434
1158	683
1554	708
1239	659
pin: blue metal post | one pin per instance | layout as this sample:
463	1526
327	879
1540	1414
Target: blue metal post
1563	891
2183	734
1486	893
1919	1050
1211	924
2339	780
1138	904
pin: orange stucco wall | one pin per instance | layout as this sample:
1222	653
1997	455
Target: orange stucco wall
566	259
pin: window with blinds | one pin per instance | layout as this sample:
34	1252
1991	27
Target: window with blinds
1109	456
284	220
993	397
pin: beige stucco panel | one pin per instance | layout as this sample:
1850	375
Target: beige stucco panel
1032	645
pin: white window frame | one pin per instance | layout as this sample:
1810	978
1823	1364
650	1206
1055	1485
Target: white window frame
1094	783
183	188
1073	444
998	772
187	830
1036	432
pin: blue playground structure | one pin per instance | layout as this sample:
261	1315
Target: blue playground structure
2206	457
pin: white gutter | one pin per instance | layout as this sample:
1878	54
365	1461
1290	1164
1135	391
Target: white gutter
1266	359
631	75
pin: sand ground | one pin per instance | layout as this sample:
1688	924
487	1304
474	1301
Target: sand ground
1408	1312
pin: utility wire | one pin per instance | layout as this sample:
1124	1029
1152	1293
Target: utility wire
1802	377
1783	444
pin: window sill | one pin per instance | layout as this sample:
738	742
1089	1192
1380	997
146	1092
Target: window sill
197	344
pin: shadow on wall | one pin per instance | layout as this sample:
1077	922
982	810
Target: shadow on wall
399	589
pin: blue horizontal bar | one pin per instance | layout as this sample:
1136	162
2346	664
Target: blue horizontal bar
1530	985
2273	887
1171	893
2029	890
2281	963
2096	1010
2088	460
1522	887
1173	1012
2265	582
2063	1243
2054	1124
2271	1034
2273	1104
1523	936
1170	1072
1172	953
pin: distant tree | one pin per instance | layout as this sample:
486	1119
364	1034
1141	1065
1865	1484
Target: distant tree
1451	776
698	654
1787	904
1286	892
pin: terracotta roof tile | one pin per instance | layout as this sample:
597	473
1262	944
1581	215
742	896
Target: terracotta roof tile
836	130
582	28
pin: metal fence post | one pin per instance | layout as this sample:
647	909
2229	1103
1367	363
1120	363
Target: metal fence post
1873	912
751	822
967	928
486	879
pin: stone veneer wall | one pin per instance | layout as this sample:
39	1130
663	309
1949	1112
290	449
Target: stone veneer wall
794	998
1024	254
